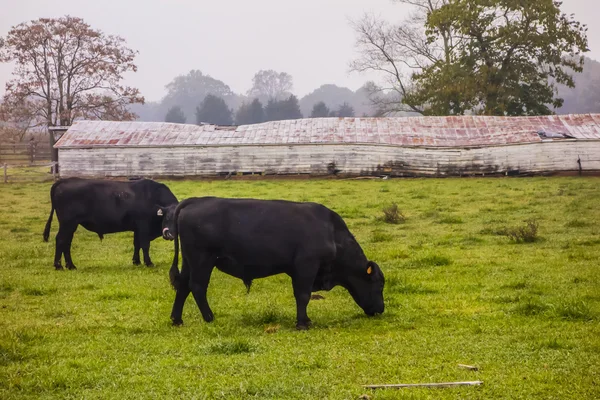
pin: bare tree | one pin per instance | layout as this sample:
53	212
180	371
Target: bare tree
66	70
271	85
15	122
398	51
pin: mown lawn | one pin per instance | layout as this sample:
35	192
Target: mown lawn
457	292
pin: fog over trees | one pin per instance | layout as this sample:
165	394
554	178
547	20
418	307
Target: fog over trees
270	98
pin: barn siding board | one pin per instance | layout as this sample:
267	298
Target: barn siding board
314	158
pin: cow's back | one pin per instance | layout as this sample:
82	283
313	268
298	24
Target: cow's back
106	206
265	232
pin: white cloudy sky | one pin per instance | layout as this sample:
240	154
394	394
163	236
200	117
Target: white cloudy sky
232	39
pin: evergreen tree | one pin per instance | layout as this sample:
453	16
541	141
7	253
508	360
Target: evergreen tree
213	110
284	109
291	108
252	113
175	114
345	110
320	110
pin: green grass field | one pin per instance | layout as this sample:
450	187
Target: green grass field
457	292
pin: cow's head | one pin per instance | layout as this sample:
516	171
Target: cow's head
168	221
366	287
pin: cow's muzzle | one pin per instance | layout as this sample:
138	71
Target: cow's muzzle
167	235
374	311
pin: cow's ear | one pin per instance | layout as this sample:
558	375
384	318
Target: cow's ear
371	267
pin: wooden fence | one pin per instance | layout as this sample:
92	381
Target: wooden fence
27	153
28	173
26	162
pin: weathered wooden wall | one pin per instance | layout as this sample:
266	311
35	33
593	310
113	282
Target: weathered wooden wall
355	159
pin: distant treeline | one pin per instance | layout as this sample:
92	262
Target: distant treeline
199	98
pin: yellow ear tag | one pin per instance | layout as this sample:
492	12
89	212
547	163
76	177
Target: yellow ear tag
369	270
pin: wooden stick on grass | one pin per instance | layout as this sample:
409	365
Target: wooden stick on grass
471	367
409	385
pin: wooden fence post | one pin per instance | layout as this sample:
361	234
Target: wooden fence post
55	169
5	173
31	148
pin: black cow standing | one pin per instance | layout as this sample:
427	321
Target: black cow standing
251	239
107	207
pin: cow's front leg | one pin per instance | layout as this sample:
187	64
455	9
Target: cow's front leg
200	273
144	242
302	281
136	248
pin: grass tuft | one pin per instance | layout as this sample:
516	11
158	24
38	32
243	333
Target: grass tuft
238	346
115	296
576	223
516	285
434	260
530	307
10	353
381	236
39	291
393	215
527	233
552	344
450	219
262	317
395	284
574	310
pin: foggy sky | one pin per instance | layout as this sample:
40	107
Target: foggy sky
232	39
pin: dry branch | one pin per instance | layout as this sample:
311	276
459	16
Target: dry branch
409	385
471	367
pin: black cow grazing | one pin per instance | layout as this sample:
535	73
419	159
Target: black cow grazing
251	239
107	207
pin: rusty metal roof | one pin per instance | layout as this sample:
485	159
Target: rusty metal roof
454	131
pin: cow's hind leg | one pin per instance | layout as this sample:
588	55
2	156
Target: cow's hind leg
136	248
302	282
58	251
183	291
200	271
64	238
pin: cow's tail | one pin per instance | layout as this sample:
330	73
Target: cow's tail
174	273
49	222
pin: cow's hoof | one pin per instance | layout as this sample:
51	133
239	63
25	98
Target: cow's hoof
209	318
136	262
71	266
151	265
58	267
177	322
303	325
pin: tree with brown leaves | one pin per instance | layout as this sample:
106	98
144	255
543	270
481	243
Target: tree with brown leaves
66	70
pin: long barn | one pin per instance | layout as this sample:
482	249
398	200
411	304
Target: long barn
416	146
